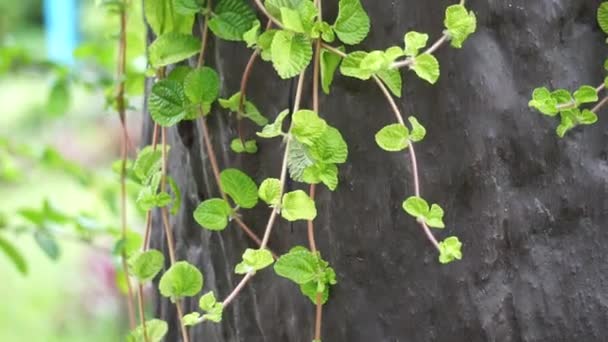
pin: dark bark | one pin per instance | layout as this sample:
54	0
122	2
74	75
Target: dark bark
529	207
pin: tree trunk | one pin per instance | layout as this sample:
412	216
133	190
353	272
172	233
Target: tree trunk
530	208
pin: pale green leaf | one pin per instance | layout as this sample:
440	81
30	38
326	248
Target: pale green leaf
11	251
418	131
171	48
192	319
213	214
426	67
291	53
188	7
392	79
163	17
330	147
544	102
351	66
460	24
585	94
393	138
602	16
274	129
414	41
240	187
250	146
251	36
297	205
307	126
434	218
329	65
416	206
352	24
254	260
202	85
299	266
145	265
270	191
156	330
450	250
47	242
181	280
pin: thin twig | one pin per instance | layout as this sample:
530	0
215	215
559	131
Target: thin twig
142	316
399	118
600	105
274	212
121	107
267	14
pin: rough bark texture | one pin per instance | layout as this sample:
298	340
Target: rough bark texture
529	207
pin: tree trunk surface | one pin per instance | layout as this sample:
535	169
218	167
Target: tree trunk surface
530	208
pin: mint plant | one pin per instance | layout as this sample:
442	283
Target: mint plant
295	38
572	107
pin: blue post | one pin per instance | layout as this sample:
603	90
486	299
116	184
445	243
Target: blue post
61	26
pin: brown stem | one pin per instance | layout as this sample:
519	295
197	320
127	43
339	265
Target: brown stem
267	14
204	37
142	316
274	212
399	117
600	105
244	81
120	104
180	315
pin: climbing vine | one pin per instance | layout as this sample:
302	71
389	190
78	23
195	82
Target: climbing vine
295	37
571	106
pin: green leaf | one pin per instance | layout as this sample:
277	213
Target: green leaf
291	20
251	36
181	280
392	79
188	7
585	94
323	30
265	43
416	206
240	187
297	205
14	255
330	147
298	159
167	103
129	245
310	290
563	98
434	218
171	48
202	85
602	16
418	131
450	250
329	65
163	17
148	162
146	265
192	319
250	146
47	242
426	67
460	24
351	66
373	61
587	117
414	41
270	191
232	19
254	260
274	6
393	138
214	309
251	112
352	24
299	266
291	53
156	330
568	121
207	301
213	214
543	101
307	126
274	129
319	172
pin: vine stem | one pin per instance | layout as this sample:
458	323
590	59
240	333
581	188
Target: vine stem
267	14
230	298
413	158
600	105
168	231
120	104
312	189
207	139
142	315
